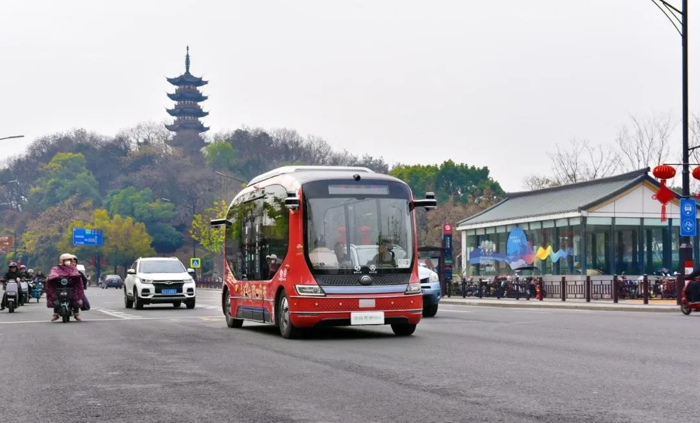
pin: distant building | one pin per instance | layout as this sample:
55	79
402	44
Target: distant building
605	226
187	111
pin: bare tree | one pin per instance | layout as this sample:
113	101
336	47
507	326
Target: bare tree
582	161
646	142
535	182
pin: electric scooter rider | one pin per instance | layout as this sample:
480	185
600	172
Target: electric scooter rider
66	269
692	288
12	273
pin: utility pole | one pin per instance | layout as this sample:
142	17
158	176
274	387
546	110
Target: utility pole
679	19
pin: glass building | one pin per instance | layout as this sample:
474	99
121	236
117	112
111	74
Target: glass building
606	226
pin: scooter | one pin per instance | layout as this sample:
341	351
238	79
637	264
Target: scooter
12	292
24	292
37	289
65	295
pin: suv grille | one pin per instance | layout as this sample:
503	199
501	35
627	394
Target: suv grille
354	280
160	285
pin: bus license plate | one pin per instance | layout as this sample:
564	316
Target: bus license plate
367	318
168	291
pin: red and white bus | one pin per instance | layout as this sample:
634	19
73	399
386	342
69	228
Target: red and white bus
315	245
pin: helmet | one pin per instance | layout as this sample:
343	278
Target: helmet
23	267
64	257
12	264
30	271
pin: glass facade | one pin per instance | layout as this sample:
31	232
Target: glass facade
578	246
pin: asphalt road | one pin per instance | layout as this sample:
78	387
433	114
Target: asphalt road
468	364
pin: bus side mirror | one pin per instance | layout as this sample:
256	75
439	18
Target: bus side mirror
220	222
429	203
292	201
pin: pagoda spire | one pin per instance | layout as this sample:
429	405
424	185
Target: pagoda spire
187	111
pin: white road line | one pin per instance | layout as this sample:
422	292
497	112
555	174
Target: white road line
118	314
447	310
203	318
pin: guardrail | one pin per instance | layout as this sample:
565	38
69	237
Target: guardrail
589	288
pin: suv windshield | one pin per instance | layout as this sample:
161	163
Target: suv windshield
162	266
358	226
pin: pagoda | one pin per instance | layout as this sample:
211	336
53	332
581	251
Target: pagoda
187	111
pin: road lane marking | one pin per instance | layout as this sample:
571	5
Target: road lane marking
213	319
118	314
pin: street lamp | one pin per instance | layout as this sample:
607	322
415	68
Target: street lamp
194	204
679	19
11	137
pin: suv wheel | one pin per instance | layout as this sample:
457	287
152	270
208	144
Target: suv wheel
190	303
177	304
430	311
127	302
138	304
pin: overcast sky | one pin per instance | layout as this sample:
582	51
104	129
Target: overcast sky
489	83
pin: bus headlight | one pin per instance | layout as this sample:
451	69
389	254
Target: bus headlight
413	288
433	277
310	290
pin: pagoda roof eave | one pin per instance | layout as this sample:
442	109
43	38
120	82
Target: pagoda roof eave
187	112
187	79
187	97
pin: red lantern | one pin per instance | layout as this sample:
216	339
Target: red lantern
664	195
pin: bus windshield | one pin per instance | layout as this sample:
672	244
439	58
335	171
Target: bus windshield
358	228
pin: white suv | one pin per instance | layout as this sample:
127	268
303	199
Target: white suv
159	280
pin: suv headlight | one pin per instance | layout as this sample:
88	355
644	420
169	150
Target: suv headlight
310	290
148	281
188	280
413	288
433	277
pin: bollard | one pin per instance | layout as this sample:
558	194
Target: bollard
588	287
540	287
464	287
481	288
645	287
517	287
563	288
614	289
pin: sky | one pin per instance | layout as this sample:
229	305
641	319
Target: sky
489	83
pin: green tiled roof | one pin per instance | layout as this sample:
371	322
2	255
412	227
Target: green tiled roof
558	200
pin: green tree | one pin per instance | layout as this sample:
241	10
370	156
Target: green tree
43	234
219	155
155	214
63	177
455	182
124	239
210	237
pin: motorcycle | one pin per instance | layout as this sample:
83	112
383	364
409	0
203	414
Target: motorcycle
688	306
64	293
12	292
37	289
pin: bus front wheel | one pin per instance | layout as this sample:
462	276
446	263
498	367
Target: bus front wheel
230	321
284	318
403	329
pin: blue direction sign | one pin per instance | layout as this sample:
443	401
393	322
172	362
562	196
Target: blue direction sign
689	225
88	237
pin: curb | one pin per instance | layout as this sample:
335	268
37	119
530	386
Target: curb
562	307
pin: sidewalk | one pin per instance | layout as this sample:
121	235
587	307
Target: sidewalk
623	305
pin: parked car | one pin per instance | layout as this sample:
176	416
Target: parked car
430	282
159	280
113	281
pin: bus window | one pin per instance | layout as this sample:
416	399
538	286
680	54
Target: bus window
371	225
275	230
